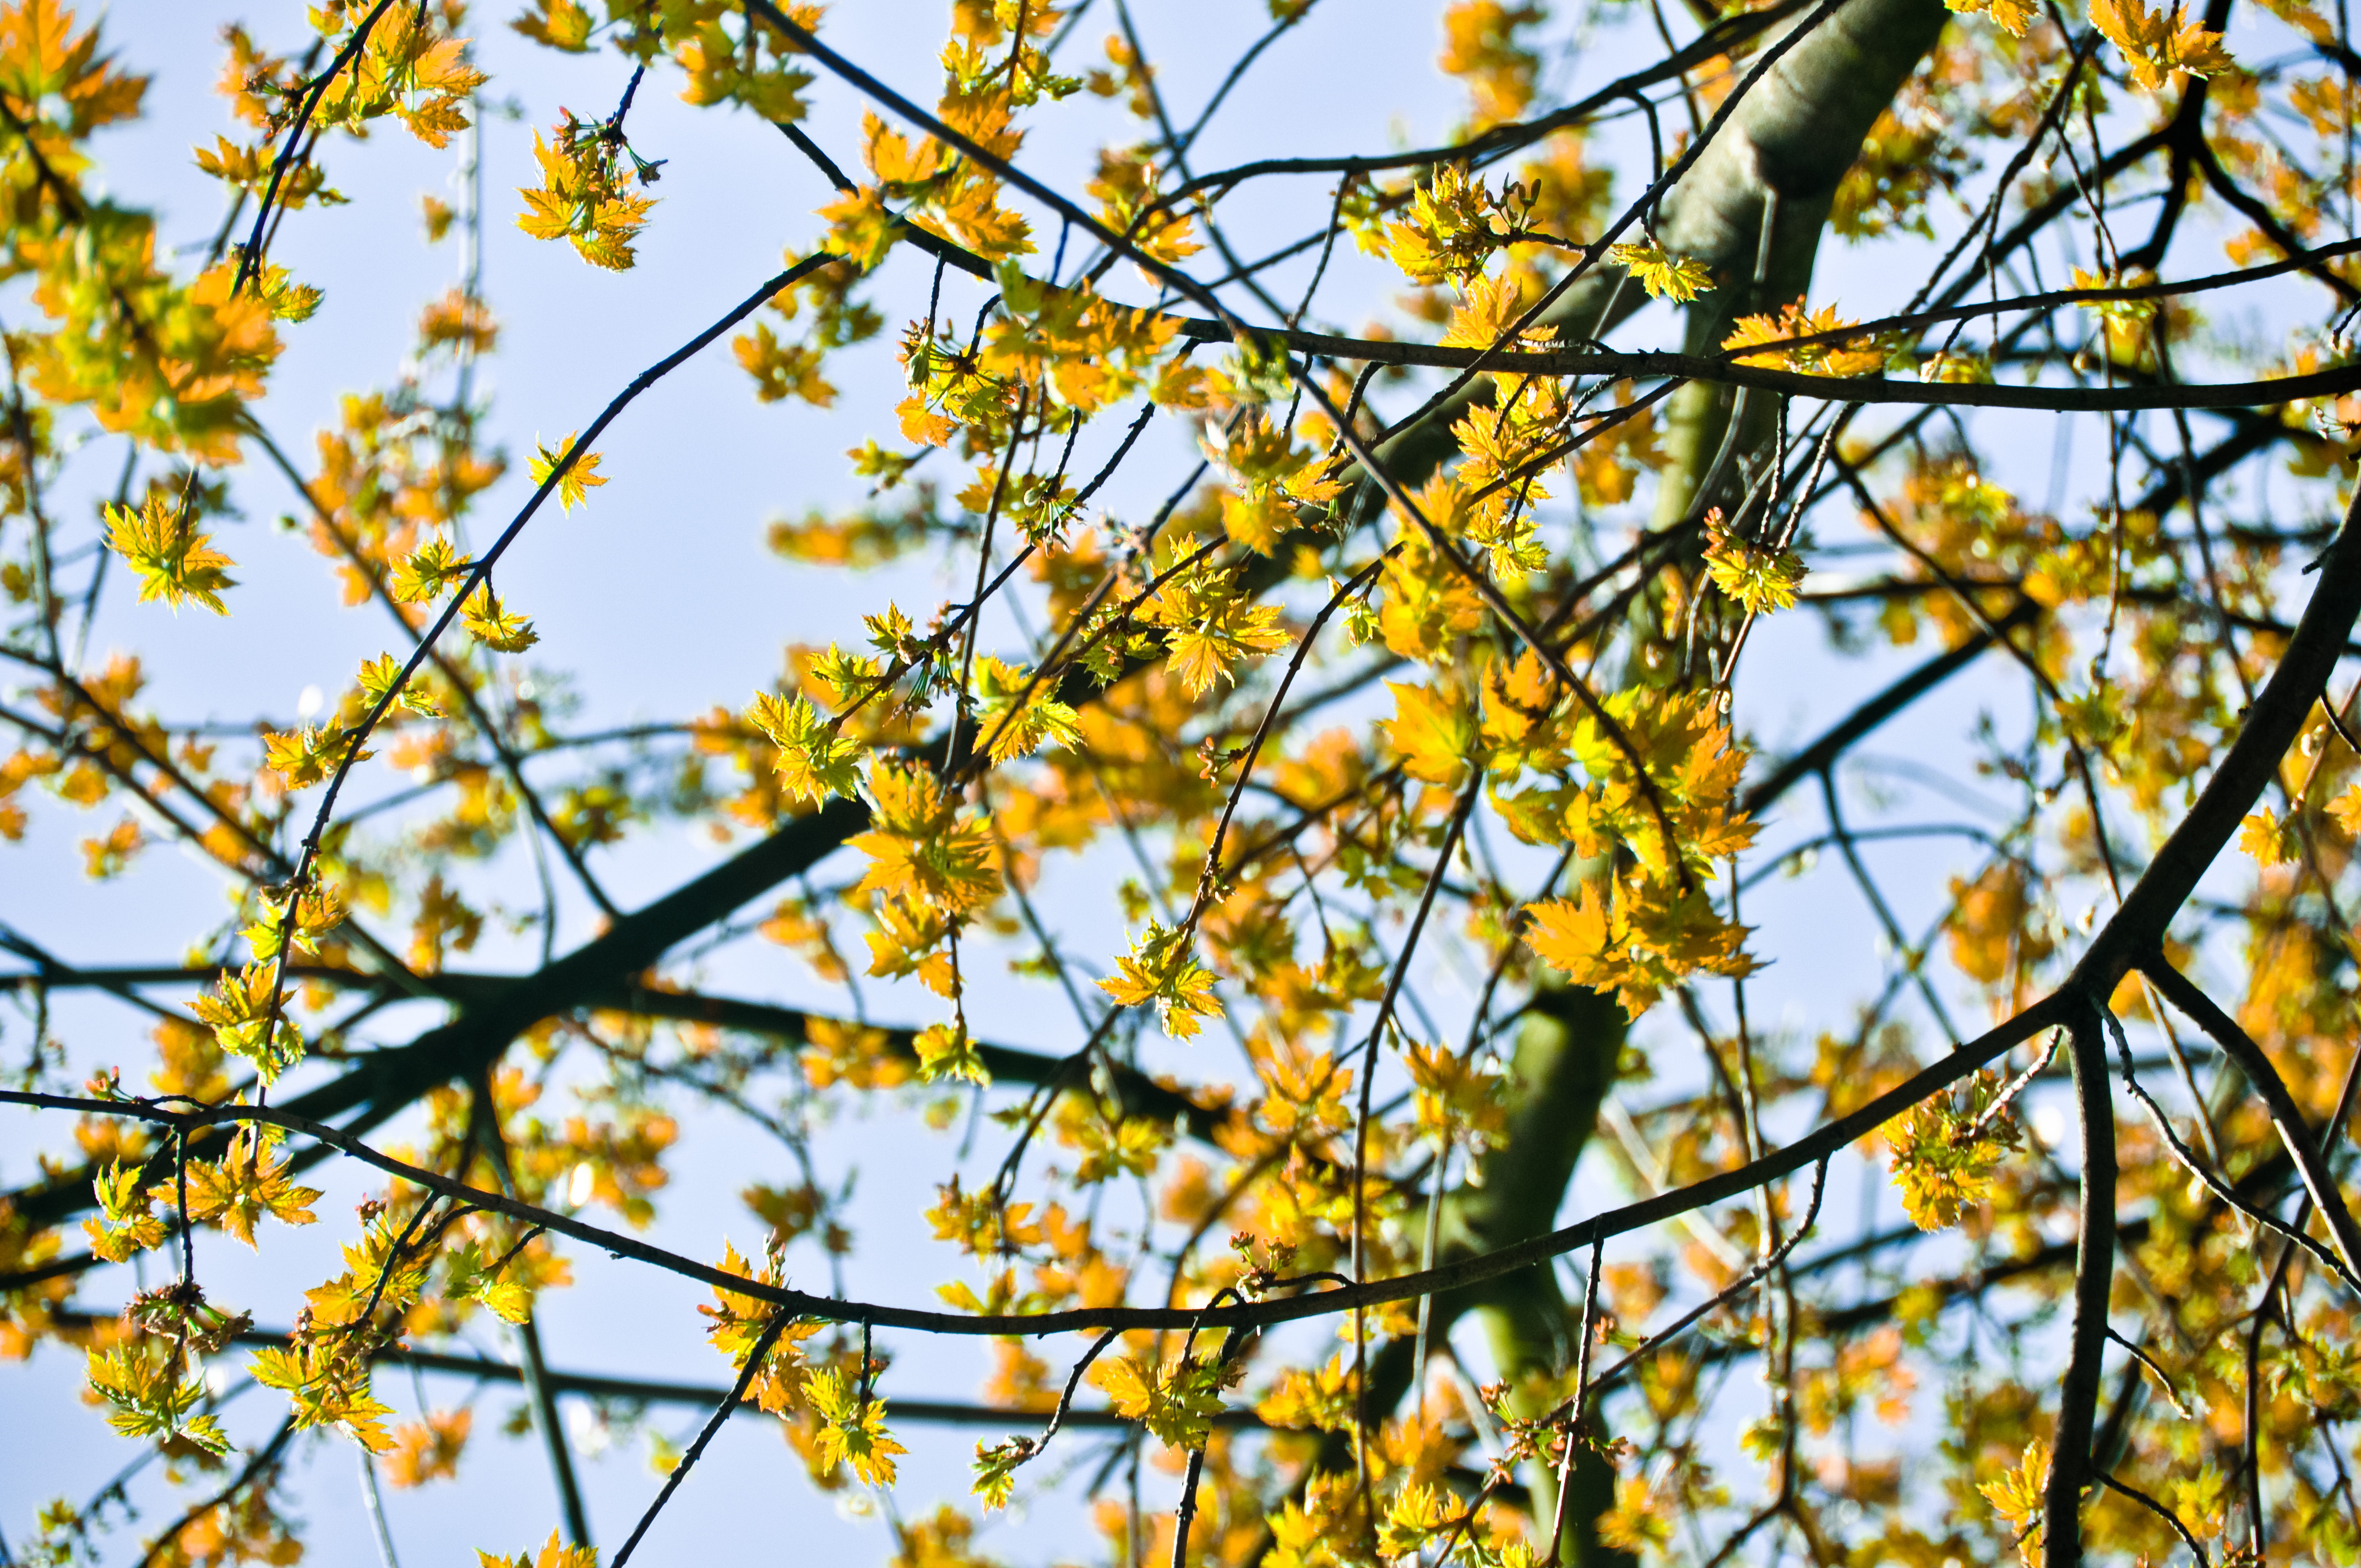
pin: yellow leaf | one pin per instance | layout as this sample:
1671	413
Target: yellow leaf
2014	16
421	576
1663	274
560	23
130	1224
1855	357
581	198
245	1185
552	1554
2345	811
1433	732
1160	968
1761	578
850	1431
2262	836
306	756
111	856
377	678
859	228
2017	1498
945	1051
1573	935
1948	1151
580	477
490	623
891	158
2157	44
173	562
814	761
1210	627
429	1450
1176	1403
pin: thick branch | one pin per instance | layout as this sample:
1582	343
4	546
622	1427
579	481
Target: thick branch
2095	1277
389	1081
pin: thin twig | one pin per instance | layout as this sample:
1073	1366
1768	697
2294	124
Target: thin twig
746	1375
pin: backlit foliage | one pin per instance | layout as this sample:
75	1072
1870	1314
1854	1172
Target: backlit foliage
1302	744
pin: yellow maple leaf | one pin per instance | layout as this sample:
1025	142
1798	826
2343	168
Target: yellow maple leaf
990	230
2266	838
893	160
1435	733
1763	579
377	678
2015	15
130	1224
573	485
491	623
245	1185
1575	935
429	1450
1210	627
173	561
1948	1150
560	23
2157	44
421	576
111	856
920	848
2345	810
859	228
328	1382
1161	968
581	198
851	1430
1856	356
552	1554
1663	274
945	1051
1126	189
1175	1403
307	755
2017	1498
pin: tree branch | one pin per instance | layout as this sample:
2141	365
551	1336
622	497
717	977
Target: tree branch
2286	1115
2094	1279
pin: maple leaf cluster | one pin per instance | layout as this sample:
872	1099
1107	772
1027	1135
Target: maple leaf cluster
587	194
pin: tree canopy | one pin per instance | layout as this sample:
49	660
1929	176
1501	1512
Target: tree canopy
1368	658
